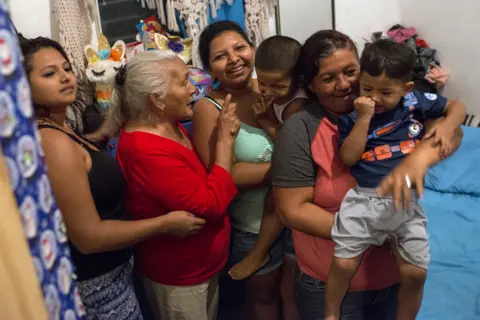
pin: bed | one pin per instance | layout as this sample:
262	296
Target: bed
452	205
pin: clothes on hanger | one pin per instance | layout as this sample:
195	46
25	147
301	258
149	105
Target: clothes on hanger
257	16
233	11
190	17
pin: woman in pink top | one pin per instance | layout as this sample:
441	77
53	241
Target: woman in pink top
310	182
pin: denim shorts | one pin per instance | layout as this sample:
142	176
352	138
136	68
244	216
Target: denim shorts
357	305
242	243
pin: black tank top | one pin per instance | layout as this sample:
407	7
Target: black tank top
107	185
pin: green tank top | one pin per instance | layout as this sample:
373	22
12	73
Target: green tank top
252	145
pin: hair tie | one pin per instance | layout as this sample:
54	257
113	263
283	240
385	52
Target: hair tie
121	75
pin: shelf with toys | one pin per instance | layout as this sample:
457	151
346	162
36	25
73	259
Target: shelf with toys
106	60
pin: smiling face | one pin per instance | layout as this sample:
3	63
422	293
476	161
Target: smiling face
51	78
277	85
231	59
337	80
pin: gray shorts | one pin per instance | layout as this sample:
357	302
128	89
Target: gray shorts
366	220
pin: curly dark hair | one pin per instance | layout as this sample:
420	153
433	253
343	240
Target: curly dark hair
31	46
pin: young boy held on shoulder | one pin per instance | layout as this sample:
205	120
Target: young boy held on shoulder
280	96
279	99
387	124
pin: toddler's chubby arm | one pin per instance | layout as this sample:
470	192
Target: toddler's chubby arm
354	144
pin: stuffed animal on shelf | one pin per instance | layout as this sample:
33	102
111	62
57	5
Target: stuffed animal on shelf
158	41
102	68
149	24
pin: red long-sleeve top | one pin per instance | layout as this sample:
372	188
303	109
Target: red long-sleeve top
163	176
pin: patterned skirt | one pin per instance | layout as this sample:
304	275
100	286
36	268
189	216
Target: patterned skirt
111	296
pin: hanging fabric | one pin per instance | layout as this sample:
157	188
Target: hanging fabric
257	16
195	15
233	12
75	32
159	5
215	5
252	15
193	12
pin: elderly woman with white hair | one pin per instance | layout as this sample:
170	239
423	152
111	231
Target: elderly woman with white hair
153	94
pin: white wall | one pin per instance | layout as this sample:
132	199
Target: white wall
356	17
299	19
451	28
32	17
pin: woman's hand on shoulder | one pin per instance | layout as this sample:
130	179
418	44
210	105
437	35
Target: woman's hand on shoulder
183	223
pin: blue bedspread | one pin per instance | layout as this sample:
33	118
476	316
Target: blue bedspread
452	204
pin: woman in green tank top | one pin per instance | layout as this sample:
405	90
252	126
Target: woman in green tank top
252	145
228	55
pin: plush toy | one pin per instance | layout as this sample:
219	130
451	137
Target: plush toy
182	47
157	41
102	67
149	24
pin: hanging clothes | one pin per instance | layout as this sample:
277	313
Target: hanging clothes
257	19
425	59
189	17
42	221
74	23
234	12
401	34
192	13
425	81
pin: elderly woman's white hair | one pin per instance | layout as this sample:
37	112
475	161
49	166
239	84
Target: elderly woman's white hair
144	76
